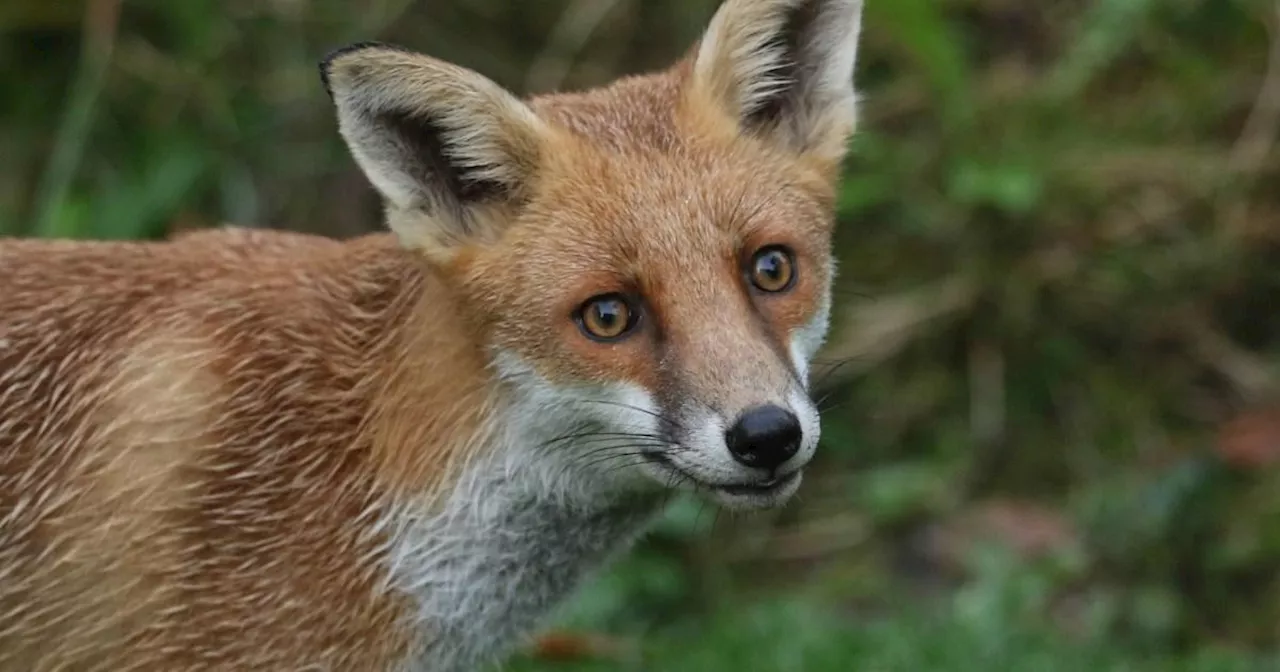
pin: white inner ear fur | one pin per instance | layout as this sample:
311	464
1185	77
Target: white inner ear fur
544	412
748	61
425	131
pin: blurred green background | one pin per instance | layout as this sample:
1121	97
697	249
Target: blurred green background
1051	430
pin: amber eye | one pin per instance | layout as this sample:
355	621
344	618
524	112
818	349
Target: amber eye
773	269
607	317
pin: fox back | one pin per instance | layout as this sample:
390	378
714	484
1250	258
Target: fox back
244	449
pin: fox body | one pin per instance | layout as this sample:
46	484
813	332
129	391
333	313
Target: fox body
243	449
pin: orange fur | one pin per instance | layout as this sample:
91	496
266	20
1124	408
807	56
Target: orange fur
134	379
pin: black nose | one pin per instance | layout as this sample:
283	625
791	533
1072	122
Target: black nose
764	437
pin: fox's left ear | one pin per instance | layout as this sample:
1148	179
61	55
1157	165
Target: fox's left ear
783	69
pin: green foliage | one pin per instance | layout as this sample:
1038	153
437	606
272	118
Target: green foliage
797	636
1059	271
990	625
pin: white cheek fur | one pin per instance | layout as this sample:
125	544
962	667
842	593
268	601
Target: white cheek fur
809	338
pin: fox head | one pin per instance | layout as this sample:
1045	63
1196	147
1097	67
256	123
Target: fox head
646	263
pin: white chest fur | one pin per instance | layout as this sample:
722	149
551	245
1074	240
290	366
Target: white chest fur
486	567
522	525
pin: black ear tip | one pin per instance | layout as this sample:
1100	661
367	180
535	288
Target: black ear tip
326	63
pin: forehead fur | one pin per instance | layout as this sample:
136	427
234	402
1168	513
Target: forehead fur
664	112
632	112
645	173
646	163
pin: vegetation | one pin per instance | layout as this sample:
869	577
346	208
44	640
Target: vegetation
1053	424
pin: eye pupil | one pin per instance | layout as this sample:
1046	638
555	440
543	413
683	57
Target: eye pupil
770	265
607	313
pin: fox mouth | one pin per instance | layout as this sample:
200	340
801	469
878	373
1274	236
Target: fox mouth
766	488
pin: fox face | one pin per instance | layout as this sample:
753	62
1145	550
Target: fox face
687	339
647	264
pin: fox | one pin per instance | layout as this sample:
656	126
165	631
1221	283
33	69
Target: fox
245	449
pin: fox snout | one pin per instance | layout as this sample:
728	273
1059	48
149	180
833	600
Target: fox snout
744	424
751	457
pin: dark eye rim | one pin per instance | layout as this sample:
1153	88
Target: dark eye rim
791	259
633	316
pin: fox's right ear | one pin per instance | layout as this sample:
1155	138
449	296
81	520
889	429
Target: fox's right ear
449	150
783	70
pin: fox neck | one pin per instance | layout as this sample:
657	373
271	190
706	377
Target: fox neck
506	526
486	567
